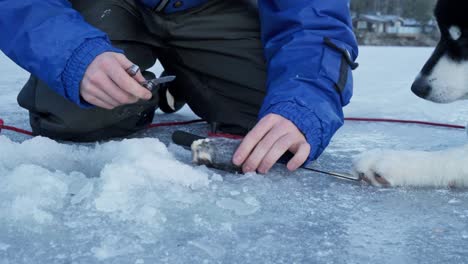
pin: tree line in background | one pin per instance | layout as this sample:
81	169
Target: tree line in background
421	10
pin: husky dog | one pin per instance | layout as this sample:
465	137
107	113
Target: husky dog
443	79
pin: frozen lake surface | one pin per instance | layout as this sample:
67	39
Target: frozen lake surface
140	201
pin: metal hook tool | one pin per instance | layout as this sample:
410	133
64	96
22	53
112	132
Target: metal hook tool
342	176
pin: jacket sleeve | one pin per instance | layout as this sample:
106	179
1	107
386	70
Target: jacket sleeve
310	50
49	39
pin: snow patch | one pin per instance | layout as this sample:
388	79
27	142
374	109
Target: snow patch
131	183
31	193
37	175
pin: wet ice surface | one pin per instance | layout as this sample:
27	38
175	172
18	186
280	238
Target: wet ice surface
138	201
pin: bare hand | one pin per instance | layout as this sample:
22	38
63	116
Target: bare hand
264	145
106	84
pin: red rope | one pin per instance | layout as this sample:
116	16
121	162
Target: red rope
29	133
14	129
386	120
356	119
176	123
224	135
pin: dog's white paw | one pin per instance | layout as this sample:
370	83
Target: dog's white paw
386	168
447	168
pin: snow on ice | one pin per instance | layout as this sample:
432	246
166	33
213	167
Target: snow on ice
139	200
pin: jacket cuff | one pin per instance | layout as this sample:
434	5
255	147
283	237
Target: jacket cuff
77	65
305	120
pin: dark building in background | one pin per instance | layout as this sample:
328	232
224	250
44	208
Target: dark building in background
394	22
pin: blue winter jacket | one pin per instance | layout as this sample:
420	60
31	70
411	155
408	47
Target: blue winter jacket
309	47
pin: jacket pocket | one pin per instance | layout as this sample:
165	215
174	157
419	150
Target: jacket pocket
337	66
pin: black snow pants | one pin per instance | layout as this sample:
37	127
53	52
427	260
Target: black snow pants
214	50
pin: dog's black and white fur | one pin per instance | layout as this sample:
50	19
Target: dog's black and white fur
443	79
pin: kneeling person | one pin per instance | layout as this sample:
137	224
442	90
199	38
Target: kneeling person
279	74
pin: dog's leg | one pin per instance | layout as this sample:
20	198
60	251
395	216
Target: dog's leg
448	168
